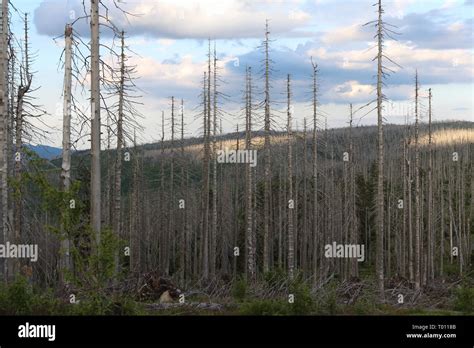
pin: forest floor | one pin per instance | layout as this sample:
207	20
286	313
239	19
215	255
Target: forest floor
450	296
272	296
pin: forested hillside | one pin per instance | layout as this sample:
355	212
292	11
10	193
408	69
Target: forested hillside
283	216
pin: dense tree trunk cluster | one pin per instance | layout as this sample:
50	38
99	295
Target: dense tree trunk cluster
401	195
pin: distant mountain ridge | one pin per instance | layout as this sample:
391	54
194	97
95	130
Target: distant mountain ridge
45	151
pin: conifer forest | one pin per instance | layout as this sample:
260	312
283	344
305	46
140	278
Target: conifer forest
159	159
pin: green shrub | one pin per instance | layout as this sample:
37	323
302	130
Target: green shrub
106	305
15	298
239	289
19	298
303	300
303	303
327	299
265	307
464	299
275	277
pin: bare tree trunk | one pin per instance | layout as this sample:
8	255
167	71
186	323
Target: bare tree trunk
214	170
411	262
291	246
430	196
251	262
316	236
380	161
281	203
117	212
345	211
267	130
183	252
171	230
459	228
66	155
450	207
442	235
403	243
205	192
354	228
4	127
236	229
417	193
304	240
134	209
23	89
95	123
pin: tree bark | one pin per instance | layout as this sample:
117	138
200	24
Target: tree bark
4	128
380	162
267	143
291	246
251	262
417	194
95	122
66	155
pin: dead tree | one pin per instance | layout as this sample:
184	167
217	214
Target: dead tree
3	125
383	31
205	178
267	144
23	89
430	241
291	204
250	232
354	225
316	236
213	244
183	246
66	151
95	122
304	240
411	258
380	157
417	193
117	192
171	229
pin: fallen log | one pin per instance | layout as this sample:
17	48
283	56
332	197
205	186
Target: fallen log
190	305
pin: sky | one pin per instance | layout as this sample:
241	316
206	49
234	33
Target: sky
168	39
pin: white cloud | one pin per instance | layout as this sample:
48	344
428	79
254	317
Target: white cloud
346	34
209	18
185	73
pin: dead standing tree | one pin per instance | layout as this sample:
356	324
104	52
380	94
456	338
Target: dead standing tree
417	192
126	120
430	193
24	88
250	232
316	236
3	124
267	144
95	122
291	201
117	191
213	244
65	263
205	178
383	31
380	195
103	79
